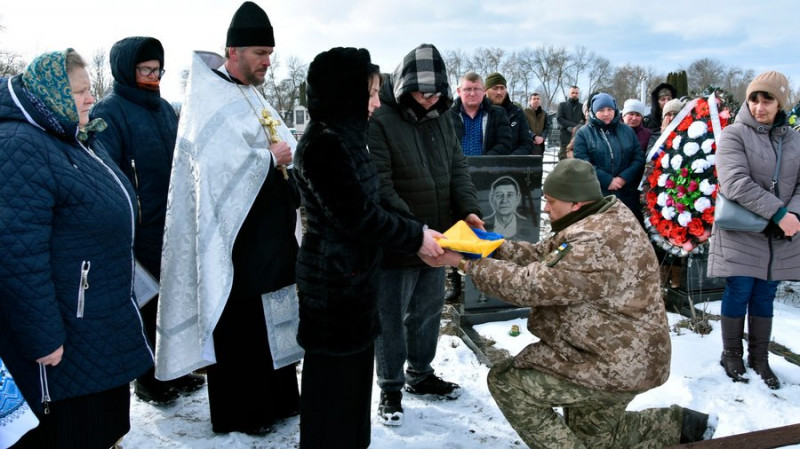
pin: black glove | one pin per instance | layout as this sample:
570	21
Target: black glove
773	231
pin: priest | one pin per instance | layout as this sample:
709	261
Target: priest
230	238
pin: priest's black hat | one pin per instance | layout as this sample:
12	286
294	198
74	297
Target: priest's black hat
250	26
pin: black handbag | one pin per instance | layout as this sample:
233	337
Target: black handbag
732	216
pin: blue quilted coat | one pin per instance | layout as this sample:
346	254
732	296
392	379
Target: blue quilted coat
140	138
613	150
66	264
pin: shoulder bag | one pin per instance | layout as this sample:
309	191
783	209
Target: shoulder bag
732	216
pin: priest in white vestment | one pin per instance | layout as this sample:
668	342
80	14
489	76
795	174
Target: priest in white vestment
230	235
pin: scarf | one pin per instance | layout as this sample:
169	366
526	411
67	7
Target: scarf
578	215
152	86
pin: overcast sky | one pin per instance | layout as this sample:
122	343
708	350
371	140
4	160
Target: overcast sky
666	35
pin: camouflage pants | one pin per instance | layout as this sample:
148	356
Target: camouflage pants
592	418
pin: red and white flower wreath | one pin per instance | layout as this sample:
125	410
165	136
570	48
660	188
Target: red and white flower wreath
682	188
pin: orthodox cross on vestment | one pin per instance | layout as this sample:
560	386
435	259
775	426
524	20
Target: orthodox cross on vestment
270	123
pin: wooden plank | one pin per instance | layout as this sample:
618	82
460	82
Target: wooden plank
760	439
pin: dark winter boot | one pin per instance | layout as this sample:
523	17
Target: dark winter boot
453	292
695	427
390	409
759	332
732	350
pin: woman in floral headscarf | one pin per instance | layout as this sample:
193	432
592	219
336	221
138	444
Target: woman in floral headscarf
70	329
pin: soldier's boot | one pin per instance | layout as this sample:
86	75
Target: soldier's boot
732	350
453	293
759	331
695	427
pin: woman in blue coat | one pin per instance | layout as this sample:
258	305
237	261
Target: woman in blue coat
142	128
70	328
612	147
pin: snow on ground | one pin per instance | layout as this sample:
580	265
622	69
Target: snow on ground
474	421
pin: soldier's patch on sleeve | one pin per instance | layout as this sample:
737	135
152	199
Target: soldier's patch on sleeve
552	259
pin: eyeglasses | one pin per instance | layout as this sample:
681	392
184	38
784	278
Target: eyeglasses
429	95
471	90
147	71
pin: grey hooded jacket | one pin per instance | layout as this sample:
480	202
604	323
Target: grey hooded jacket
746	158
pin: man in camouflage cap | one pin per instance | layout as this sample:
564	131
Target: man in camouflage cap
593	290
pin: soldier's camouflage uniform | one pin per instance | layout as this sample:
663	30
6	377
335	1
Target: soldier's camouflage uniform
596	305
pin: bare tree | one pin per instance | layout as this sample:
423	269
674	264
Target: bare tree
794	98
524	61
456	62
184	79
293	86
547	66
705	72
626	80
487	60
517	78
579	60
11	63
100	73
735	81
284	94
599	72
270	89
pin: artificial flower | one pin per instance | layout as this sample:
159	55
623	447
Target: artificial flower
676	162
662	199
697	129
691	148
707	187
700	165
681	190
696	227
701	204
708	146
676	142
684	218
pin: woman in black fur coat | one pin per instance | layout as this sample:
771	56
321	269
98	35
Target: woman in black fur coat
341	250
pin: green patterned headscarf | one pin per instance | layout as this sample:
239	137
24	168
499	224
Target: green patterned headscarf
47	81
46	78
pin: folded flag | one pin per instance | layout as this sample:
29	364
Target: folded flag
472	243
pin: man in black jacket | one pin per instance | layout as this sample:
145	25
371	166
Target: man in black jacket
141	133
423	174
569	116
481	127
497	93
